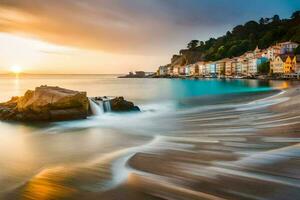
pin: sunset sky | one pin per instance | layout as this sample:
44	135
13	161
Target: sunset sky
116	36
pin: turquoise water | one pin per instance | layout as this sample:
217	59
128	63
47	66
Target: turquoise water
139	90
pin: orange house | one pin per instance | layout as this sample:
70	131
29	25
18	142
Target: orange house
288	65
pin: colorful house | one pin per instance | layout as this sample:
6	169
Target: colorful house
187	70
230	67
239	65
182	70
287	47
176	70
289	66
194	70
277	65
213	68
163	70
254	64
207	69
273	51
296	62
201	68
220	67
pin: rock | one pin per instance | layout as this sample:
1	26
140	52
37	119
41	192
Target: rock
119	104
46	104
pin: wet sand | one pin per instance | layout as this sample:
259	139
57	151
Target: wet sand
246	150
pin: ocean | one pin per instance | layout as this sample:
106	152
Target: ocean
194	139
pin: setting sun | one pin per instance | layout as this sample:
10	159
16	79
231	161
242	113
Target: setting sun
16	69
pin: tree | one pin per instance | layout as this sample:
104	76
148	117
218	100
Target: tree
276	18
296	14
297	50
264	68
262	21
193	44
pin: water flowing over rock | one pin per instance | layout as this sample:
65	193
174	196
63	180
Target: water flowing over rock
46	103
100	105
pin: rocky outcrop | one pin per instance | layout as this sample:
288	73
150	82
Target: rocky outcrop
186	57
119	104
46	104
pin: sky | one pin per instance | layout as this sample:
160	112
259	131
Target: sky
116	36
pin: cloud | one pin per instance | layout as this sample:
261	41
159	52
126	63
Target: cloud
128	26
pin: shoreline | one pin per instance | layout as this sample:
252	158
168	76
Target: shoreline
213	78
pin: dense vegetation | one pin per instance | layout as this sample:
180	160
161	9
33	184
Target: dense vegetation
264	68
264	33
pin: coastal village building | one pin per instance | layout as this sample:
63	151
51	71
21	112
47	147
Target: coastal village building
277	65
194	70
234	67
176	70
220	67
282	62
207	69
187	70
254	64
273	51
163	70
289	66
213	69
182	70
201	68
287	47
170	70
292	65
245	67
239	65
230	67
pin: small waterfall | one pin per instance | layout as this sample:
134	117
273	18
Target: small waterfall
107	106
95	108
98	107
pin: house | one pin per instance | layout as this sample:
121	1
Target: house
292	65
213	68
245	67
201	68
176	70
170	70
296	62
287	47
234	67
254	63
182	70
207	69
277	65
289	66
239	65
273	51
194	70
210	69
163	70
220	67
230	67
187	70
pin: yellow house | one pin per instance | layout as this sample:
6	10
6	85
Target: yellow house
289	66
277	65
